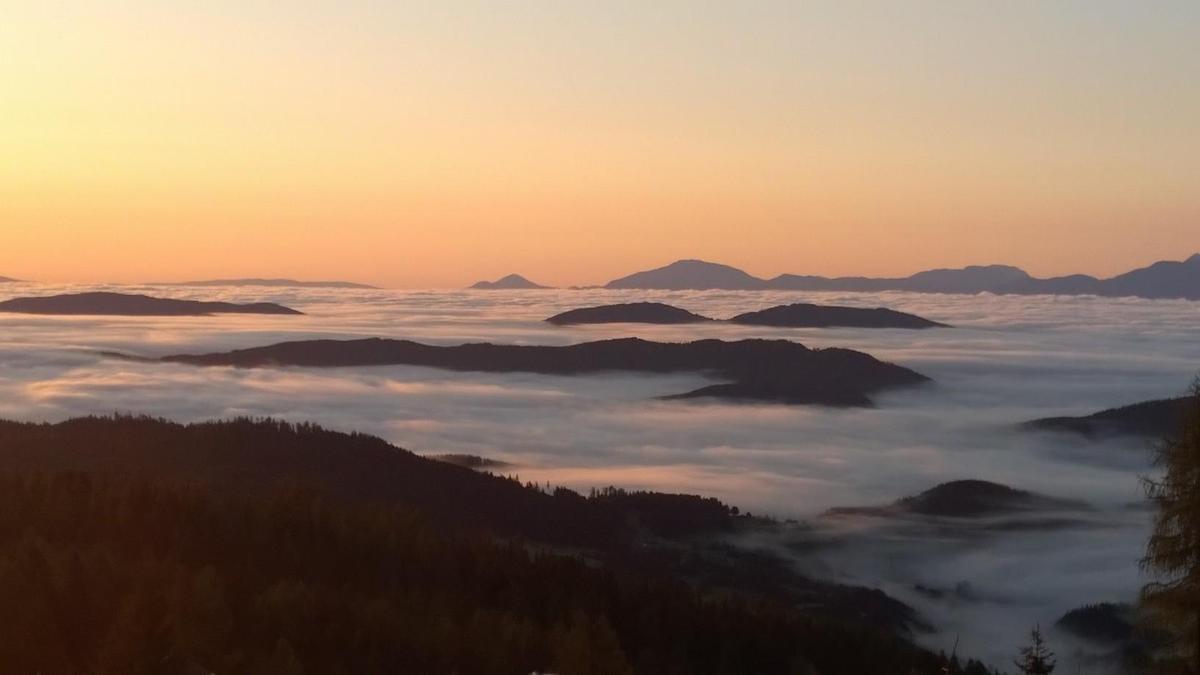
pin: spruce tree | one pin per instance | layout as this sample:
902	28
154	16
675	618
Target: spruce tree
1173	552
1036	659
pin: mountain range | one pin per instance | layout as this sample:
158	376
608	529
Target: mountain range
1161	280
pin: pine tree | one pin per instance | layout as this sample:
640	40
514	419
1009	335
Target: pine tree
1173	552
1036	659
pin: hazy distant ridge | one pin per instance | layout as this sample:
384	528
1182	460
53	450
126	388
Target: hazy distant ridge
275	283
1162	280
510	282
124	304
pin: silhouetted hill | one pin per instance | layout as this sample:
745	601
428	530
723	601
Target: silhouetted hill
690	274
971	279
510	282
135	545
783	316
244	456
1130	643
1105	622
1148	418
269	283
1074	284
1162	280
823	316
761	370
123	304
966	499
633	312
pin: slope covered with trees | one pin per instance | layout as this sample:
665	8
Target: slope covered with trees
135	546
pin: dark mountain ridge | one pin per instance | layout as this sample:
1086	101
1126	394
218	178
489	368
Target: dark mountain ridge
631	312
804	315
965	499
242	545
1161	280
798	315
760	370
125	304
1152	419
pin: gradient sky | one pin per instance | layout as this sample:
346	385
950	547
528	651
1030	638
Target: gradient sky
436	143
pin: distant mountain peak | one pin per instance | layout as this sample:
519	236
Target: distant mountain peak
691	273
696	263
508	282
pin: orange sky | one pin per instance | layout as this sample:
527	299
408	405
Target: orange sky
438	143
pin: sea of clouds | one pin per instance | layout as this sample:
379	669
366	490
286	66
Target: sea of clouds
1006	360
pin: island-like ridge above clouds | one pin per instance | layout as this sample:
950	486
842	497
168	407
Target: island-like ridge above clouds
1151	419
124	304
800	315
630	312
965	499
1162	280
758	370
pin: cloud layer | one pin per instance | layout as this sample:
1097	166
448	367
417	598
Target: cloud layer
1007	359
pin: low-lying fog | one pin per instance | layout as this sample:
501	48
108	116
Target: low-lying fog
1007	359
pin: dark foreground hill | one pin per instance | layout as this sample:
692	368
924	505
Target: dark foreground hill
136	546
967	499
1152	419
803	315
631	312
124	304
759	370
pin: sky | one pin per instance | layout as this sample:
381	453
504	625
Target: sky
431	144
